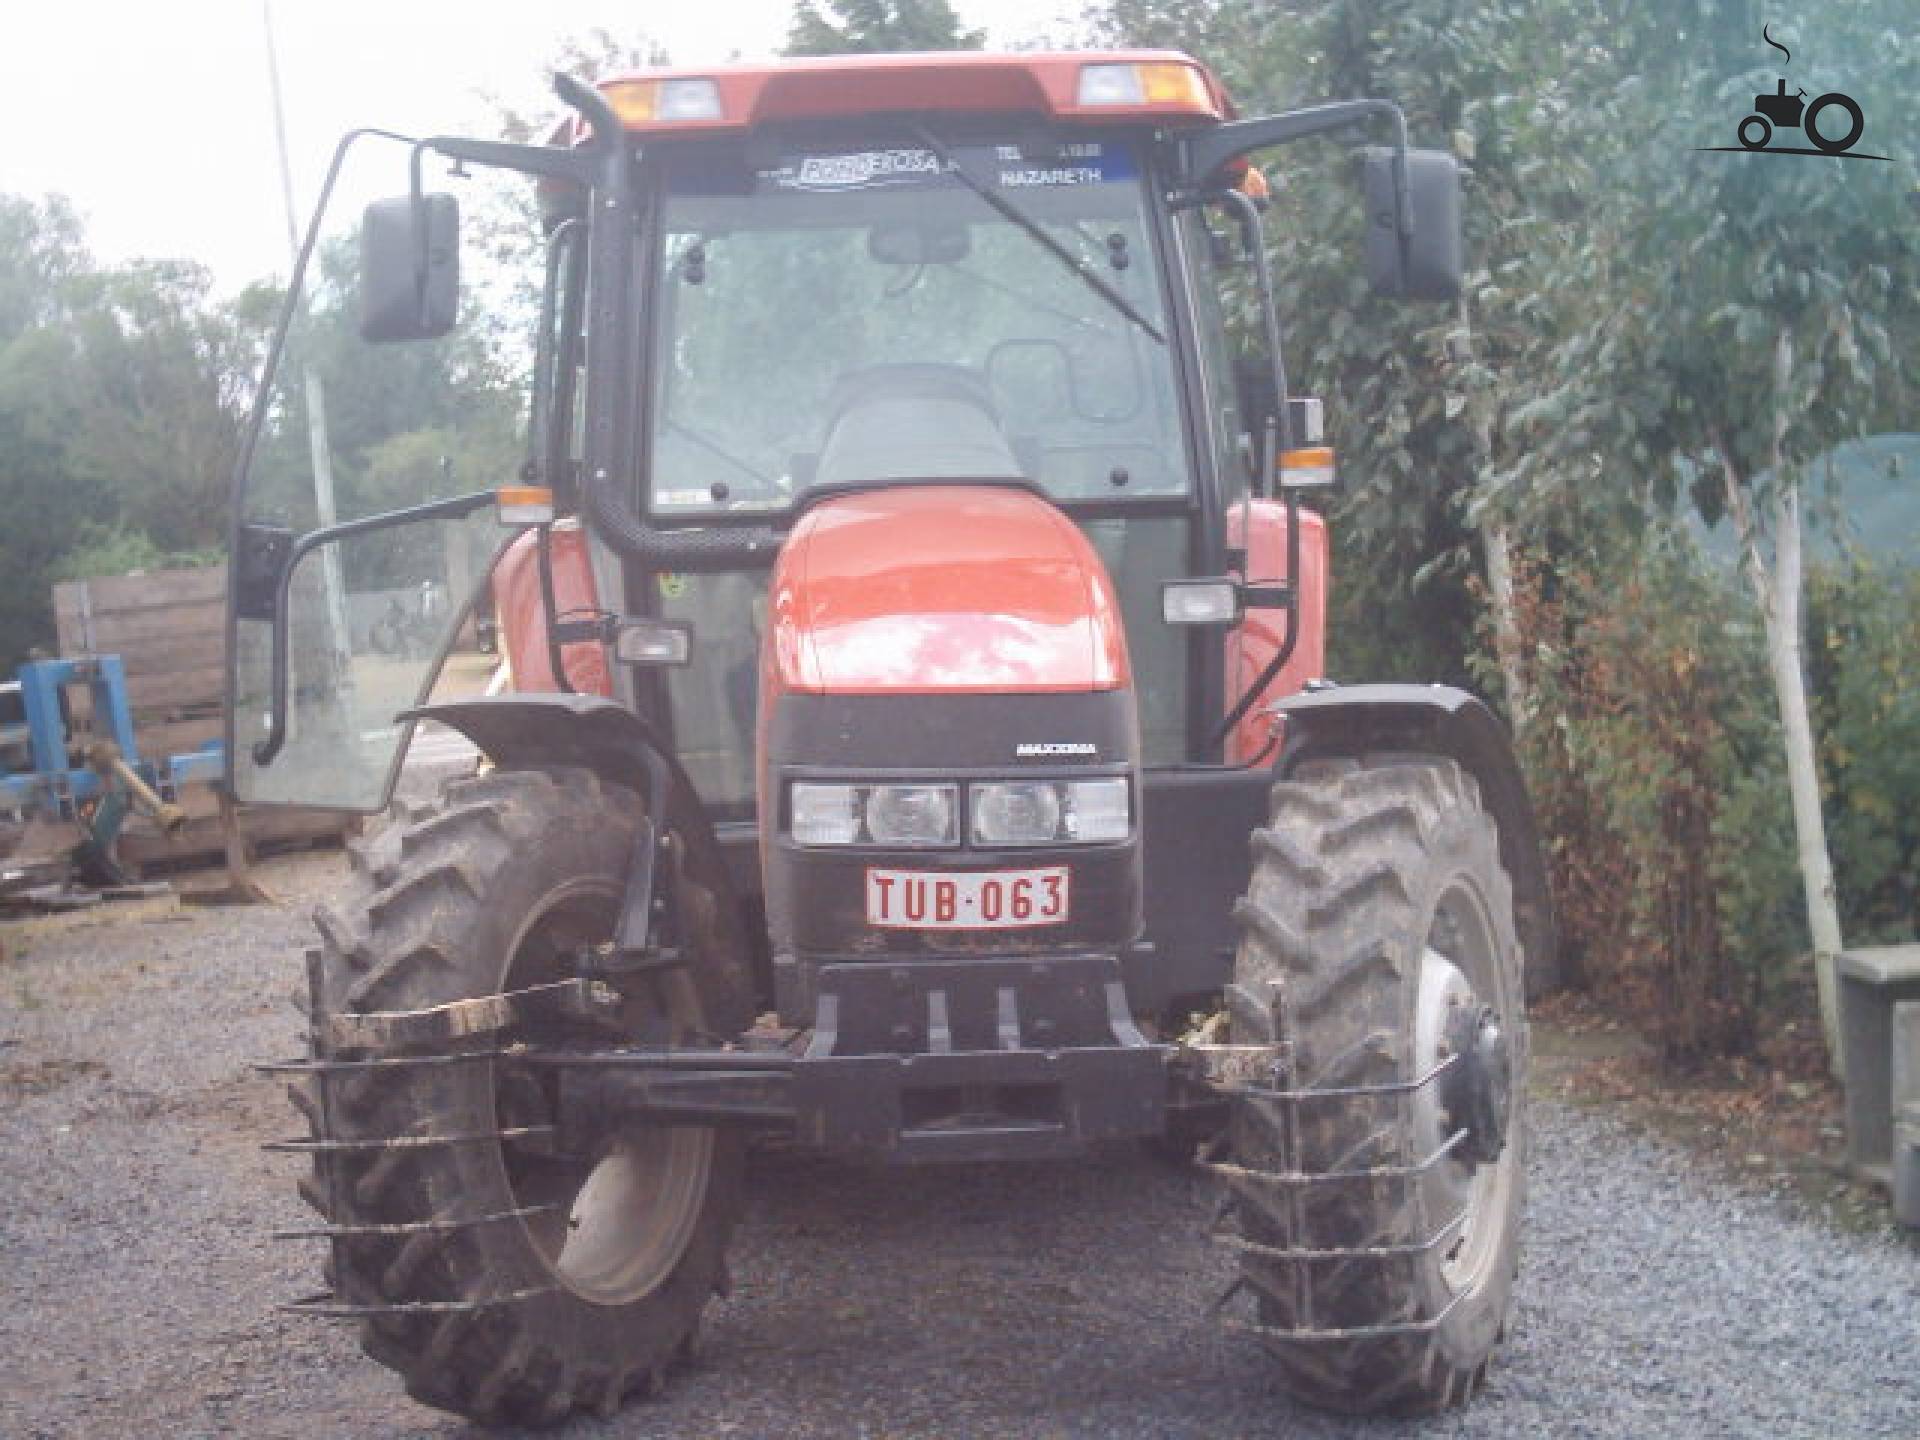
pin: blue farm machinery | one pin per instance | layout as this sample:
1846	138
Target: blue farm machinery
71	775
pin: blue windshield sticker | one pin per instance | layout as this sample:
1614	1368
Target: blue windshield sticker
1081	163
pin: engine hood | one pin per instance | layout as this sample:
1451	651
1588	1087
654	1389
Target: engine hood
942	589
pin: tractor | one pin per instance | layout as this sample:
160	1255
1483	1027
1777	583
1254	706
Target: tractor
918	746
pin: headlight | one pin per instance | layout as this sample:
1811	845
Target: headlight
1098	810
905	815
1050	812
912	814
1020	813
827	814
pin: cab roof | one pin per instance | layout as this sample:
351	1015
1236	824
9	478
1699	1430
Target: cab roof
1103	87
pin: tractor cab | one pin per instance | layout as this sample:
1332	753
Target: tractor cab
882	477
831	277
848	273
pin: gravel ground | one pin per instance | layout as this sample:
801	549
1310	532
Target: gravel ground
137	1286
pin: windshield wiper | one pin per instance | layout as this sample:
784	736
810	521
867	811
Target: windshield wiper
1026	223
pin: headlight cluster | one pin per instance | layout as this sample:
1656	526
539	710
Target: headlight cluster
999	813
910	815
1048	812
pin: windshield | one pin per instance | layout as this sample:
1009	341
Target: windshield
847	316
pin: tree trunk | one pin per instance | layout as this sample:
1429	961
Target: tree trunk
1803	776
1506	625
1496	543
1777	592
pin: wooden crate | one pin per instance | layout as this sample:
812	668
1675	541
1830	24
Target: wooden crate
169	629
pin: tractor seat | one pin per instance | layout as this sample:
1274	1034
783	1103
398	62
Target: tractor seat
913	422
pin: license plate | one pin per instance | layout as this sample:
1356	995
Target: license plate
980	900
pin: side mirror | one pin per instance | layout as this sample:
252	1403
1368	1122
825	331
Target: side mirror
410	268
1413	254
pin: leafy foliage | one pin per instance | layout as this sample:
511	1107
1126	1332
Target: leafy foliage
1711	260
1865	622
122	394
114	549
1655	771
1646	323
864	27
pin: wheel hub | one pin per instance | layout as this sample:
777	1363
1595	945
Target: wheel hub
1460	1044
620	1218
1476	1087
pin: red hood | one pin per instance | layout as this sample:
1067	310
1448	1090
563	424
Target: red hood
943	588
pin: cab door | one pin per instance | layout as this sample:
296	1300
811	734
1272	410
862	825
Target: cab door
364	524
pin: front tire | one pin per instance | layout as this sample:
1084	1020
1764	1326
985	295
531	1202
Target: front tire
1378	942
502	1278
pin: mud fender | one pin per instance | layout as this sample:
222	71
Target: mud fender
1352	721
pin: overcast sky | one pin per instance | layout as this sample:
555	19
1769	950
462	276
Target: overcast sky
154	116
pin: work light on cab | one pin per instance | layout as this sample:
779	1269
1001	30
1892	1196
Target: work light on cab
1143	84
652	102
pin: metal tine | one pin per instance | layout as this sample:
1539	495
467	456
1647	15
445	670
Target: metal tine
1362	1252
404	1142
1330	1177
385	1062
1217	1310
412	1227
1350	1332
1350	1092
323	1305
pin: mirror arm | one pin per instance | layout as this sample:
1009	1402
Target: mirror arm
454	507
1207	153
579	166
1249	214
289	307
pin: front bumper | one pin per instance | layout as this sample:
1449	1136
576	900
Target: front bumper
976	1059
912	1061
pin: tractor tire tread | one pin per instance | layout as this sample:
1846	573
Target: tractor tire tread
398	942
1325	930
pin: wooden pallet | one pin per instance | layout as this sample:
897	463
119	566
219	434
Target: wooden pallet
203	839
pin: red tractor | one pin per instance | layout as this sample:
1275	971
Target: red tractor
917	746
